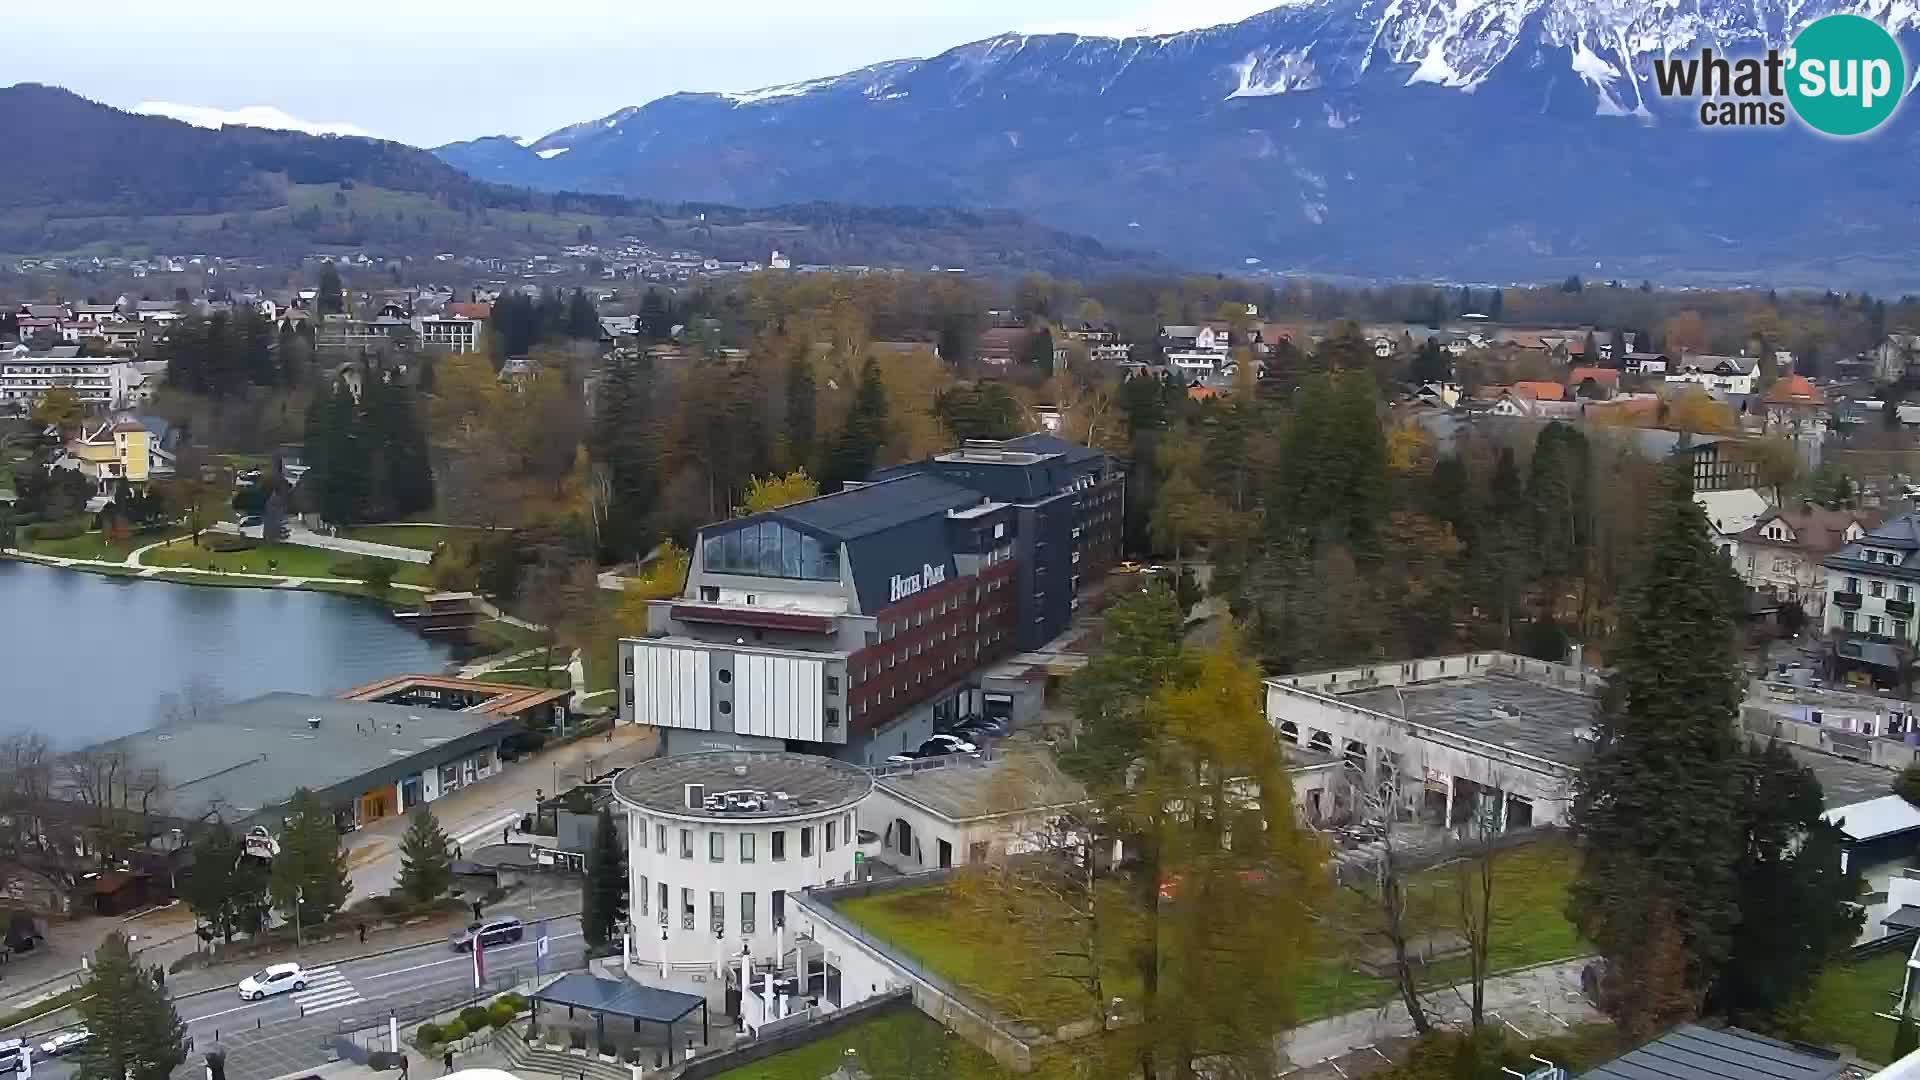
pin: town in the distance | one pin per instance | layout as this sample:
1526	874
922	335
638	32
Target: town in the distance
620	664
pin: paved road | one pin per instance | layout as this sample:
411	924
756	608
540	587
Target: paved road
294	1031
303	537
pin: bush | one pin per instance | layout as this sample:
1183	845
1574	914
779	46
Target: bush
474	1017
430	1033
501	1014
57	530
513	1001
1907	784
225	544
454	1031
377	573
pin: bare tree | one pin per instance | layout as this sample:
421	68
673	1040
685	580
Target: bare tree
199	698
116	797
1384	889
1473	880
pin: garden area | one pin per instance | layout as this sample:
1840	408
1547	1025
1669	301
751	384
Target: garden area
1845	1001
418	537
930	925
242	555
74	540
900	1045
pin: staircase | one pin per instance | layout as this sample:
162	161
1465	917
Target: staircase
535	1059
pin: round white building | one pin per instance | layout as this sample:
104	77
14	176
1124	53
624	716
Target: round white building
716	843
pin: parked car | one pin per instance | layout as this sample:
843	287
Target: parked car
65	1041
251	521
277	979
10	1054
489	932
972	727
938	746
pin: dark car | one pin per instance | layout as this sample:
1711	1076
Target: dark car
489	932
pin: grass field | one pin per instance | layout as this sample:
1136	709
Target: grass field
285	559
1845	999
94	545
418	537
1530	885
905	1043
528	677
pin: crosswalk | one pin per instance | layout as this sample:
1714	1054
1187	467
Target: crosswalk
326	989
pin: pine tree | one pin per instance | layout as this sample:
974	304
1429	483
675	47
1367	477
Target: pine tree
332	295
624	442
426	858
345	468
865	431
583	319
603	897
224	887
801	417
310	872
137	1035
1652	802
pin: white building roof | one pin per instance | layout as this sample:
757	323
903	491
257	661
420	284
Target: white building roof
1875	818
1734	511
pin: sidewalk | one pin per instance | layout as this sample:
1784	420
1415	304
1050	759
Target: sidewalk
1534	1001
301	536
55	965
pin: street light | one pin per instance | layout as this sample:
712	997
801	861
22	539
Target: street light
299	898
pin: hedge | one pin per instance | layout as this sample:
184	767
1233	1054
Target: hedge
227	544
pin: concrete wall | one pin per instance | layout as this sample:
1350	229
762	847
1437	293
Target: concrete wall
1763	723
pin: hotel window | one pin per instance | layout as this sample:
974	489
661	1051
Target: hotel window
778	845
833	717
717	907
629	695
1900	629
746	847
806	842
629	664
660	839
833	684
716	846
1879	588
746	913
1846	620
1873	625
832	826
645	892
662	910
1853	584
1903	593
686	843
686	909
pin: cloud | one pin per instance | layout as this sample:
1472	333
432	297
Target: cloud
260	116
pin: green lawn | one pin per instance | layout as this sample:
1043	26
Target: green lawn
903	1045
419	537
287	559
528	677
393	598
94	545
1845	999
503	637
930	926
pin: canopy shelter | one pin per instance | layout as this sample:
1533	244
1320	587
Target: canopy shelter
621	997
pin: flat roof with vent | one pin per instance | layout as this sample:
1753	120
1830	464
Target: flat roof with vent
251	755
1519	714
740	785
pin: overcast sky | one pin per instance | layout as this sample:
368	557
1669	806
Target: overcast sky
435	71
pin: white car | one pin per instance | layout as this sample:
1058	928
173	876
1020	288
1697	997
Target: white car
277	979
65	1041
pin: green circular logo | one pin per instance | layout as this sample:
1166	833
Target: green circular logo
1845	75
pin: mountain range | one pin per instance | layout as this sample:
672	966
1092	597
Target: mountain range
1468	139
83	178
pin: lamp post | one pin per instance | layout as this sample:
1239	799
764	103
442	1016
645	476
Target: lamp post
299	898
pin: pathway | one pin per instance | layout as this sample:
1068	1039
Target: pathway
283	581
1534	1001
301	536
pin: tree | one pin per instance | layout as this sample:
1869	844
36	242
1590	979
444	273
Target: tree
860	438
224	887
603	896
309	879
137	1035
980	410
1684	334
802	417
1907	784
1040	349
1797	906
1665	760
189	494
1138	651
773	492
332	296
426	858
1431	363
583	319
626	449
60	409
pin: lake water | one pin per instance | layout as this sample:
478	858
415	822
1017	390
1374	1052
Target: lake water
85	658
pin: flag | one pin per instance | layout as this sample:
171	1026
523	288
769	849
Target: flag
539	954
479	962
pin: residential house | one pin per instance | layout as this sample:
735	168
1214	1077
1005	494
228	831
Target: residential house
1645	363
1593	382
124	449
97	313
158	311
1193	339
1193	364
451	333
480	311
1531	399
1440	395
1730	513
1726	374
1871	582
1002	345
1782	553
1794	406
1893	356
1719	462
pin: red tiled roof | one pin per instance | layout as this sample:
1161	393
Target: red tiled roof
1540	391
470	311
1816	530
1598	374
1794	390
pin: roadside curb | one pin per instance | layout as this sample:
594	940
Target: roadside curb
374	955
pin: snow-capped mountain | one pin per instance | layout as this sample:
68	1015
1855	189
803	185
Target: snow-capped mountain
1468	138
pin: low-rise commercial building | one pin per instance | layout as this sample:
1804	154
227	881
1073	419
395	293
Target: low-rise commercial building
718	842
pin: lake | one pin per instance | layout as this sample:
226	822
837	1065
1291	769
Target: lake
85	657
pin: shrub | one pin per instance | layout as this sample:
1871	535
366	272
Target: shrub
429	1033
225	544
501	1014
454	1031
473	1017
377	573
1907	784
57	530
513	1001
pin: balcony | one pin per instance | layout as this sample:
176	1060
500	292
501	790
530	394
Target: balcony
1849	600
1900	608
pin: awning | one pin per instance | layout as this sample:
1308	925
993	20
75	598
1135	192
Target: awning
620	998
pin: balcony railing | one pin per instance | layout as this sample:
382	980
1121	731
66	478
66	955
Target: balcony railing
1847	599
1902	608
